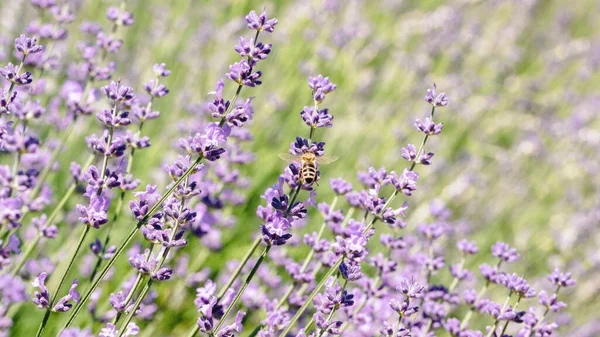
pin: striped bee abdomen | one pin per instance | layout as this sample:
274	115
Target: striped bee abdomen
308	172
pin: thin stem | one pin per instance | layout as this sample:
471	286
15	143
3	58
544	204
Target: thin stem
127	240
308	258
420	151
194	331
514	309
467	318
26	254
334	309
239	268
44	174
62	280
237	297
310	298
493	329
135	306
50	220
136	285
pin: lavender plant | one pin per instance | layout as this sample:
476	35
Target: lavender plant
312	268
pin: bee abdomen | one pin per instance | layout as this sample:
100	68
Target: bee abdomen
308	172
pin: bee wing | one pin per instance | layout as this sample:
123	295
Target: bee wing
327	159
289	157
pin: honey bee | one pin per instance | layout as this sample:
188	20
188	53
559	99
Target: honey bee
308	164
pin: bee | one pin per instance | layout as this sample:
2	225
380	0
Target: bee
308	173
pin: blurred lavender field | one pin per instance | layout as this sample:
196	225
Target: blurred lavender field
517	161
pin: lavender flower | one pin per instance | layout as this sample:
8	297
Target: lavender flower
261	22
434	99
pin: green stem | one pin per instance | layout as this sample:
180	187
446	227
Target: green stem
127	240
135	306
467	318
420	151
194	331
493	329
334	309
514	309
50	220
239	268
310	298
44	174
62	281
26	254
237	297
308	258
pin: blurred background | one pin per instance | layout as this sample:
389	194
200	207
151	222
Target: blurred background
519	155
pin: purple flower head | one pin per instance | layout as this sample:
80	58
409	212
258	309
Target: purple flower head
118	301
241	114
11	73
425	158
504	252
117	92
43	4
551	302
118	17
241	73
156	89
434	99
260	22
236	326
218	107
63	304
316	118
489	273
254	52
5	100
373	177
47	230
353	248
275	232
301	145
411	288
27	45
467	247
113	121
406	183
517	285
161	70
41	298
95	214
561	279
111	330
350	271
428	127
321	86
340	186
108	42
409	152
209	142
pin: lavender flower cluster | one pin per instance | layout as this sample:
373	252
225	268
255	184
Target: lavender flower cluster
361	270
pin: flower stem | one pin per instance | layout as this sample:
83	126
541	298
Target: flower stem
310	298
26	254
239	268
308	258
493	329
514	309
127	240
135	306
62	280
44	174
237	297
50	220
